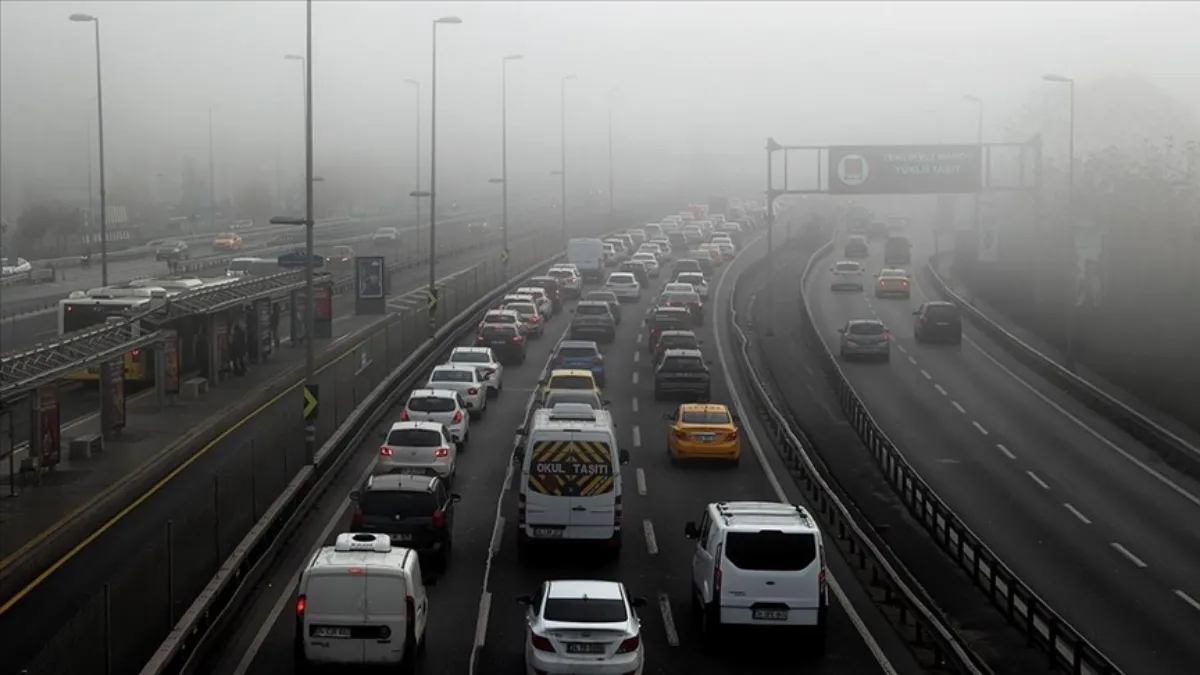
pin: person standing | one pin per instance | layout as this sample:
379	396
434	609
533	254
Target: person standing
275	324
237	349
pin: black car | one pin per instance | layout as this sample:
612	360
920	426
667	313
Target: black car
689	301
877	230
677	240
297	258
506	342
856	247
614	303
417	512
674	339
593	320
683	372
638	270
686	265
664	319
938	321
175	249
553	290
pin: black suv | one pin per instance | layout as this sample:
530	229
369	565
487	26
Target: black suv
683	372
856	247
417	512
674	339
506	342
594	320
664	319
938	321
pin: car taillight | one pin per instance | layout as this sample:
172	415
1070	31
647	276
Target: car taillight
717	580
441	452
356	520
681	435
732	435
472	392
541	643
439	518
458	416
518	338
521	510
301	603
598	361
536	319
629	645
618	512
404	415
385	451
885	337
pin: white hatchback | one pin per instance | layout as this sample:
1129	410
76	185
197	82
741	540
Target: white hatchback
583	627
420	448
467	380
846	274
442	406
624	285
481	357
545	305
698	282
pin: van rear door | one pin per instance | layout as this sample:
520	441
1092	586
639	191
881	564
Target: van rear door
594	480
547	506
777	580
386	623
335	614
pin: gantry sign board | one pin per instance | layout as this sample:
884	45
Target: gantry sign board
904	169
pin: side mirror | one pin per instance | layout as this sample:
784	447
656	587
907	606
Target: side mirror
455	497
916	312
691	530
623	456
841	330
525	600
637	603
737	419
383	435
572	310
543	382
708	362
522	431
354	495
699	342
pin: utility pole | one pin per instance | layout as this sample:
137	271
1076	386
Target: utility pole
212	186
611	213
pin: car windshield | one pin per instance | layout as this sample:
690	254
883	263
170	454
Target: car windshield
684	363
415	438
572	382
397	503
847	267
576	352
593	310
172	244
562	273
942	312
866	329
470	357
431	404
588	398
705	417
453	375
584	610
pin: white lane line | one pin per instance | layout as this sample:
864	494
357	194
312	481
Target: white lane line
638	339
901	348
1037	479
481	623
806	369
637	356
1075	512
664	608
926	374
940	389
634	404
497	534
641	482
651	541
958	407
1128	554
1188	599
635	377
1006	451
979	427
637	436
912	360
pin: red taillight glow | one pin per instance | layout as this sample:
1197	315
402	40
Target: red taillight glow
441	452
518	338
439	519
356	520
885	337
136	352
630	645
541	643
472	392
404	415
681	435
716	580
301	603
458	416
732	435
385	451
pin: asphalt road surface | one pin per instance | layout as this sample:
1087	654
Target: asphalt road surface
474	605
1101	528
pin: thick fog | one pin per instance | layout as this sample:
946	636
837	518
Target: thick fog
698	86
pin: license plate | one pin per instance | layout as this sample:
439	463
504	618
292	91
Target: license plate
585	647
706	437
547	532
415	470
402	537
336	632
770	614
498	342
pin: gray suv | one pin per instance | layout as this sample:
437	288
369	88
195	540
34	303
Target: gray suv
593	320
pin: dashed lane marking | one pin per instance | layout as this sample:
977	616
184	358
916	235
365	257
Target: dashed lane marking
958	407
641	482
651	541
1128	554
637	356
902	349
635	377
637	436
940	389
481	623
1008	453
808	370
634	404
1038	479
638	339
979	427
1075	512
912	360
1188	599
926	374
664	608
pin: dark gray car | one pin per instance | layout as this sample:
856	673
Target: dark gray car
683	372
593	320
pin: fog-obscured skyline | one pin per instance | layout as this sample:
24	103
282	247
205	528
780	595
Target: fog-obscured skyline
693	79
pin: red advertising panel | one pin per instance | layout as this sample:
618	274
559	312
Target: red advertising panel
324	302
47	436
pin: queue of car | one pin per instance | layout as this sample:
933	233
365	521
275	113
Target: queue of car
363	600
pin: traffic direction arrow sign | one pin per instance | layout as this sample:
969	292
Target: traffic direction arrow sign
504	255
312	401
431	296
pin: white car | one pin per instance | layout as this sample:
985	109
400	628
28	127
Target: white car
386	234
698	282
530	316
624	285
443	406
10	266
583	627
481	357
678	287
846	274
649	261
568	276
726	247
544	303
420	448
468	381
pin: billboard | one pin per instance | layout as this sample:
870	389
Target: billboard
904	169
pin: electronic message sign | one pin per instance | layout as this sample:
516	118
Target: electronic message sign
904	169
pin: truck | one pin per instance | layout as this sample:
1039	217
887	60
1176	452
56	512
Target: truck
587	255
897	251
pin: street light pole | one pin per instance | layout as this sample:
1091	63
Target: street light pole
303	76
417	145
310	323
433	174
91	206
211	173
611	214
563	163
1070	313
100	121
978	141
504	158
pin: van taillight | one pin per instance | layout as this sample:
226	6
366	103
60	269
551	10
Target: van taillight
356	520
439	518
385	451
716	580
630	645
618	512
521	511
404	415
458	416
301	603
410	608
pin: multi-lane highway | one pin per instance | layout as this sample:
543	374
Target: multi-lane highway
1093	520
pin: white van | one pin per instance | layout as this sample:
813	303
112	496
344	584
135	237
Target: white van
570	485
587	255
360	602
241	267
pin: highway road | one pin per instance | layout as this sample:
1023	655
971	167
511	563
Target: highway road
474	607
1100	527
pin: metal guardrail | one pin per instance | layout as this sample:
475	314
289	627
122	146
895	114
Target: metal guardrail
195	632
929	630
1175	450
1043	628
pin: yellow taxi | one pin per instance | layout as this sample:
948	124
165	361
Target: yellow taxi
228	242
892	284
703	431
566	378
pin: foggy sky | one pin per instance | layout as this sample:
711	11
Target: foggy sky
694	79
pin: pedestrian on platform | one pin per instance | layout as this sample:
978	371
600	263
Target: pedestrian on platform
237	350
275	324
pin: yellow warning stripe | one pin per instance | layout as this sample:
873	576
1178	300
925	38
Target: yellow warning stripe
580	452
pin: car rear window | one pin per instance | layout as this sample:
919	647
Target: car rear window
576	352
562	274
587	398
942	312
452	375
572	382
678	343
866	329
497	332
581	610
396	503
595	310
522	307
771	551
705	417
470	357
693	278
621	279
847	267
431	404
684	363
499	318
416	438
601	297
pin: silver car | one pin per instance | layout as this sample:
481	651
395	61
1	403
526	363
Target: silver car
481	357
468	381
865	338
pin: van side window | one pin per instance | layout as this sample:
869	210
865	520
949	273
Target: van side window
705	528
